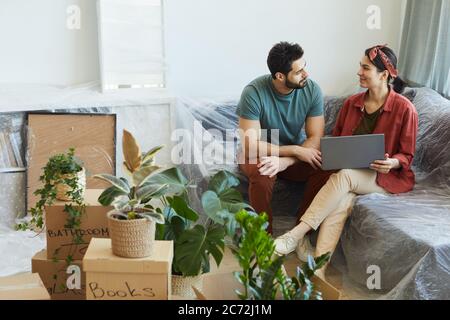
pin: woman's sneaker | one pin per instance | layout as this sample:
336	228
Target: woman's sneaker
285	244
304	248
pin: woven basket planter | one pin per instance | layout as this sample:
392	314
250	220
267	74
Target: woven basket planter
62	188
131	238
182	286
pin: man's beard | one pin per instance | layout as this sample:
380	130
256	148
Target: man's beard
293	85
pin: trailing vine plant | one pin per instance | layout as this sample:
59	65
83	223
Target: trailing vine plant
60	169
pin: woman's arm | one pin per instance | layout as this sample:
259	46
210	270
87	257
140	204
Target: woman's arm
403	159
407	139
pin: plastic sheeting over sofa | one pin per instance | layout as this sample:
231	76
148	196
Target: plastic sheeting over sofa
405	237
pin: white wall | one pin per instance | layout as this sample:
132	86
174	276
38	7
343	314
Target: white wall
218	46
37	47
213	47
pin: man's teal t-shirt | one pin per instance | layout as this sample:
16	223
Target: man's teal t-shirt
260	101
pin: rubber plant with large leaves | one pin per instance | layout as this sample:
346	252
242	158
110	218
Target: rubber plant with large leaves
131	197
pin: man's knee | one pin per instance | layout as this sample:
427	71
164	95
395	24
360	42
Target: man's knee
262	182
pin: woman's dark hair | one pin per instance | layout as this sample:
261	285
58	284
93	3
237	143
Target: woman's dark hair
398	84
281	57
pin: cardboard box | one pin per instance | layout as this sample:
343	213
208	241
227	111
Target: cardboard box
109	277
220	283
94	223
60	279
27	286
223	287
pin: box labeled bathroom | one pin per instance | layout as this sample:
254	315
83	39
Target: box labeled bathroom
63	242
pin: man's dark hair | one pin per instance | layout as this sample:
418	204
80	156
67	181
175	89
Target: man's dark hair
281	57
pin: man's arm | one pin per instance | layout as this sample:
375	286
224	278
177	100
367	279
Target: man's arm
253	147
309	151
315	129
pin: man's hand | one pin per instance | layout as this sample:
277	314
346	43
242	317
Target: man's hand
270	166
309	155
386	165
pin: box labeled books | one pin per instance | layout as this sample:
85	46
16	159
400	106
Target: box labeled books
109	277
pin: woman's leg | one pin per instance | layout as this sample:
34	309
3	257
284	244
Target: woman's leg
359	181
337	188
331	229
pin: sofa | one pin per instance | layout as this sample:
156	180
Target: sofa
405	237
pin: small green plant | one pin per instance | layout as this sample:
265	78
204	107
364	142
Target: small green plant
60	169
262	275
195	243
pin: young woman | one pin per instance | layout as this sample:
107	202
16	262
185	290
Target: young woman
380	109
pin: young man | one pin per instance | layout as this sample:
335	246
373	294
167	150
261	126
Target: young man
284	100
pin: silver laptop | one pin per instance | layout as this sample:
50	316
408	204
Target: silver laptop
351	152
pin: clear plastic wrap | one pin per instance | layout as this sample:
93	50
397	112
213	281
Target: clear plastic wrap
17	248
406	235
136	111
88	95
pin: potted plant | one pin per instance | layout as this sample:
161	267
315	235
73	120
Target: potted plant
132	222
195	243
263	275
63	178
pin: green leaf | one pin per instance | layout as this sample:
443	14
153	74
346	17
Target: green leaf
159	232
149	156
222	181
114	181
212	206
144	173
232	200
322	260
173	227
311	262
153	216
151	191
173	178
231	224
194	246
122	203
108	195
182	208
267	290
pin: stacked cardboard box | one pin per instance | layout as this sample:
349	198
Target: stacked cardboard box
109	277
60	265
